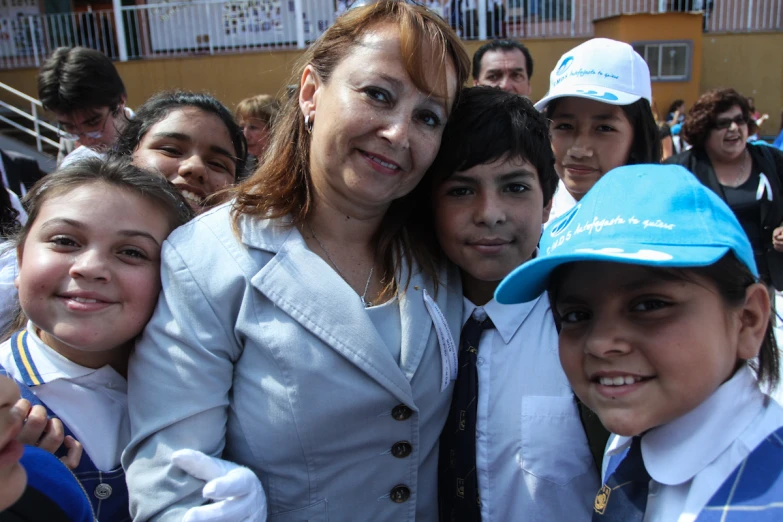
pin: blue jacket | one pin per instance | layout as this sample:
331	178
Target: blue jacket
53	493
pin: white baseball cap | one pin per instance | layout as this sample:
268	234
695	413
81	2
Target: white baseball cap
600	69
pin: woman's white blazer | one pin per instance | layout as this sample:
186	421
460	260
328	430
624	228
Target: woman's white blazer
260	353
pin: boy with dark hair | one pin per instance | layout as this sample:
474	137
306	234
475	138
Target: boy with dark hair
85	92
513	447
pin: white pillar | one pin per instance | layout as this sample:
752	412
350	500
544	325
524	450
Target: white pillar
482	19
119	28
299	14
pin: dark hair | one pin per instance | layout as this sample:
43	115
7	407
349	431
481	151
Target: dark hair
646	144
501	45
282	187
732	278
701	118
9	216
676	104
488	124
160	105
77	78
119	173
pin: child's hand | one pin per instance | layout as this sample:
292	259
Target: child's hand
48	434
235	491
39	430
12	476
74	455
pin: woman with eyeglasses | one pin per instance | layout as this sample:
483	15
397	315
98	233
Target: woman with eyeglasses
746	176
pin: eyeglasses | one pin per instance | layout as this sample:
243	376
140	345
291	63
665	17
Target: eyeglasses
725	123
93	135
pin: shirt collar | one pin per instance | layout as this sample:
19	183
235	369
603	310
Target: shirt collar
506	318
676	452
40	364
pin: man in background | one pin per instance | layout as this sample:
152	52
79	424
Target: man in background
506	64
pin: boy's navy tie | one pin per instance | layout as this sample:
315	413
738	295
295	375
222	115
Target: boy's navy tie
624	496
457	482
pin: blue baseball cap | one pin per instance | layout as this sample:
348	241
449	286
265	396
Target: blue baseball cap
651	215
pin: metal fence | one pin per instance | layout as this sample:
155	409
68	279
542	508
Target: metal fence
217	26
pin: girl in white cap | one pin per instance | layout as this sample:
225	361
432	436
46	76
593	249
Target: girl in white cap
599	105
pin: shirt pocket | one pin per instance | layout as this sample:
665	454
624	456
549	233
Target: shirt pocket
554	444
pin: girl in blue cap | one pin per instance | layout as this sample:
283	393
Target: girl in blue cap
665	333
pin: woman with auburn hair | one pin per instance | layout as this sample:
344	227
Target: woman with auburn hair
302	327
255	116
746	176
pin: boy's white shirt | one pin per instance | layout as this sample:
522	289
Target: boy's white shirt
690	457
532	458
93	403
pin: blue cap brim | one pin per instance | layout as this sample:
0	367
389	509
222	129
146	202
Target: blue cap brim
530	280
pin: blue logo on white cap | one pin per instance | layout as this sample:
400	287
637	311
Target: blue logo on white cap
565	220
605	96
565	65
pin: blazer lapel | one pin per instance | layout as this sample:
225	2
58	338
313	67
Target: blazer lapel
301	284
416	322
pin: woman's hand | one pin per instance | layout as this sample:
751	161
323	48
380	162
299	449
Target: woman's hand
235	491
777	239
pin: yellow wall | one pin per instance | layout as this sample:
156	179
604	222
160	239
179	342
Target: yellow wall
751	63
229	77
232	77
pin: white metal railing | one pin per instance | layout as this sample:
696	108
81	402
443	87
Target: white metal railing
185	27
214	26
38	124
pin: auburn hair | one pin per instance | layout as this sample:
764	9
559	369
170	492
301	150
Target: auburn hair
282	186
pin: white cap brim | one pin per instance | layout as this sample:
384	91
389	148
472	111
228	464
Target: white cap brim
589	92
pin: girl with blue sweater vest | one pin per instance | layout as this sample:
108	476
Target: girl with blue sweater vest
88	281
665	333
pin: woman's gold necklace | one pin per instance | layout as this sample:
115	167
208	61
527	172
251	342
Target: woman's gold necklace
362	297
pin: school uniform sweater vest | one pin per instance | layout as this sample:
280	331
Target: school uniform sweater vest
754	490
107	490
752	493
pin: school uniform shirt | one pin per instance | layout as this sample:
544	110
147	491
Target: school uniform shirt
691	457
91	402
562	202
532	458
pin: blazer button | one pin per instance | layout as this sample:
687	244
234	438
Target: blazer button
401	412
401	449
400	494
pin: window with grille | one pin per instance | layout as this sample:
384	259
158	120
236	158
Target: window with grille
668	61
